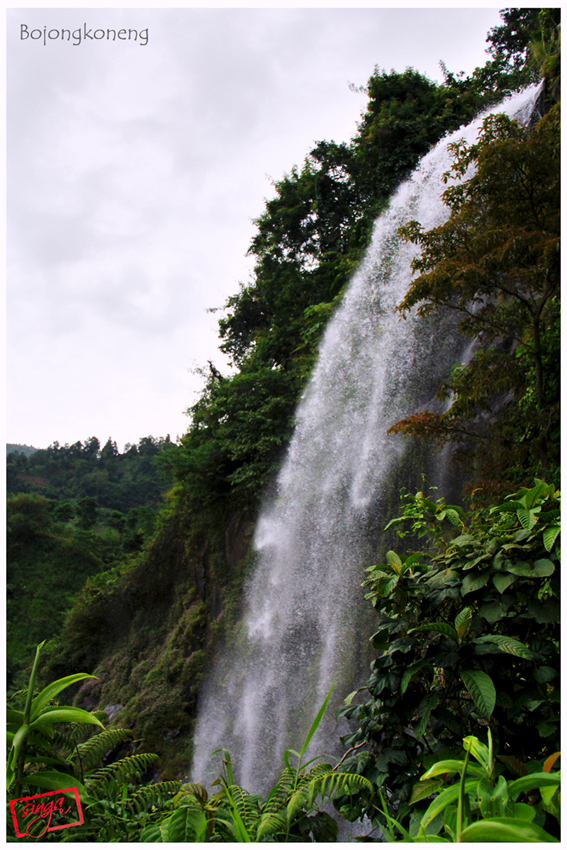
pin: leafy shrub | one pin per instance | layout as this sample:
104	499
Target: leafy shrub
484	807
467	633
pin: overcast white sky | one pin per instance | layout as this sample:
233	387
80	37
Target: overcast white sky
134	174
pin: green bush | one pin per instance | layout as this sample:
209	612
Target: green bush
467	634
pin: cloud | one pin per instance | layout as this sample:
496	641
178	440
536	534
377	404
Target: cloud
134	174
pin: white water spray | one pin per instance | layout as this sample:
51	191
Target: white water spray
306	620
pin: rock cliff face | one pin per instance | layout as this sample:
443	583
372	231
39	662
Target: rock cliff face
150	639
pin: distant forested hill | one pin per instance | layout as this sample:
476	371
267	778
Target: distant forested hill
73	512
20	449
118	481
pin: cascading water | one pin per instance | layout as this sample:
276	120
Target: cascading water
305	620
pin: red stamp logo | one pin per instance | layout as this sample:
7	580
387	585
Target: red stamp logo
34	816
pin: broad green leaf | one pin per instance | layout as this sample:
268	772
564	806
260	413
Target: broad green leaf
544	611
352	694
472	582
422	790
493	799
479	558
51	691
453	515
410	672
535	494
553	806
188	824
463	540
531	781
547	793
394	560
64	714
155	833
544	674
505	829
480	752
441	628
384	585
523	811
452	766
494	611
547	728
507	507
55	781
17	744
502	581
541	568
481	688
444	799
426	706
463	621
550	536
528	518
507	644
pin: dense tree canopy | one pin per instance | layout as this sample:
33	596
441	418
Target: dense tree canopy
117	481
309	240
496	262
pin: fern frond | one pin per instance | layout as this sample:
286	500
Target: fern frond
123	768
19	696
336	785
92	751
279	795
153	795
296	802
63	741
319	770
270	824
100	714
247	805
74	732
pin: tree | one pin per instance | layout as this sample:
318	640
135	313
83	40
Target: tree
496	262
87	512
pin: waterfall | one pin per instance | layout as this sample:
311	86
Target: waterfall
305	619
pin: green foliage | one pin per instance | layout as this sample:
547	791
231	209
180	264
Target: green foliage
309	241
46	753
484	808
496	262
72	473
288	813
56	544
30	734
48	562
467	633
521	48
224	452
